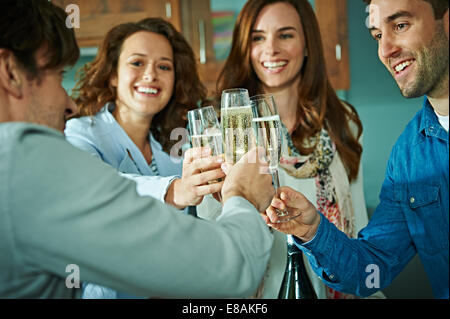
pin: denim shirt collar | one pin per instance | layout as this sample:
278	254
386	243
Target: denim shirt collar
429	123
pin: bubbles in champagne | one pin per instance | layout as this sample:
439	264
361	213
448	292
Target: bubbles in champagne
269	136
237	131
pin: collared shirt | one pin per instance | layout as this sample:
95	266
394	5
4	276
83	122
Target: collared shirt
103	137
412	217
59	207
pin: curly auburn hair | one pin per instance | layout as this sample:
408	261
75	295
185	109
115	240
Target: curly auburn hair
318	104
93	89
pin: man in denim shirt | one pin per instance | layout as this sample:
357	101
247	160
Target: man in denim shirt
413	213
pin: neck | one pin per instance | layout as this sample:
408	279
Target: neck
439	98
286	100
10	110
137	127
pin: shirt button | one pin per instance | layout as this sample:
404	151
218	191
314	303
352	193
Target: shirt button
331	276
412	200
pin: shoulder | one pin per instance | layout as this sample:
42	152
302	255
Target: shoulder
23	142
90	126
13	133
410	135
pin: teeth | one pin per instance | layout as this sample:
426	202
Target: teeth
274	64
402	66
147	90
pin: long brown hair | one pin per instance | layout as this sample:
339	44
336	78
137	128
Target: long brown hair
318	104
94	90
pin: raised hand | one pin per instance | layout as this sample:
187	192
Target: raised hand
304	226
249	178
199	168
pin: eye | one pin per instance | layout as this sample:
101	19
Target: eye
401	27
376	36
136	63
286	36
165	67
257	38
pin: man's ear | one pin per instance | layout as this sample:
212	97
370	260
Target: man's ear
11	74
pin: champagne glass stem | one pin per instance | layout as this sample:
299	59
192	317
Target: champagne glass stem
284	215
276	185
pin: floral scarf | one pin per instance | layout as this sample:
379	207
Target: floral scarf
317	165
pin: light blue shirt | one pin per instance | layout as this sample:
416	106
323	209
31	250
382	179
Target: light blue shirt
103	137
84	215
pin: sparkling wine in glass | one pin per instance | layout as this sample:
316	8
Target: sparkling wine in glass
269	135
236	121
205	131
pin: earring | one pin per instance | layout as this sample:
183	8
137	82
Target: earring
306	52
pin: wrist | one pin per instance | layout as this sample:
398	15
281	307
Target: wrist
236	192
312	229
173	194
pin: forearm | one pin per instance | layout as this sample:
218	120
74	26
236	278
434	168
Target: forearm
358	266
133	244
155	186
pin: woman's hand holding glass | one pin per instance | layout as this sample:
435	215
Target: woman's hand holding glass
199	170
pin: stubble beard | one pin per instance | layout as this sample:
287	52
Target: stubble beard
433	68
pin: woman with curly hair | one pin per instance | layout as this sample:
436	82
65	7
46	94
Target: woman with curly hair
133	100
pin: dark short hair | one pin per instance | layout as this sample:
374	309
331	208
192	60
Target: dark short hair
26	26
439	7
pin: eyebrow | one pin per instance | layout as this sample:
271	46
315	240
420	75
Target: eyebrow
393	17
279	30
144	55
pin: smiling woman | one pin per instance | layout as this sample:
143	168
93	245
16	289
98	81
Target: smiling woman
96	87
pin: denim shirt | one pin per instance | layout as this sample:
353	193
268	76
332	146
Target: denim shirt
412	217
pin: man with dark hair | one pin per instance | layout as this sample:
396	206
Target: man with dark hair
66	217
413	213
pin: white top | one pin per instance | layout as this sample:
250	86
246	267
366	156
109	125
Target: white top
443	120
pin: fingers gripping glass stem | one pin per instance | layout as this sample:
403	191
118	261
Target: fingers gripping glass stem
283	215
269	135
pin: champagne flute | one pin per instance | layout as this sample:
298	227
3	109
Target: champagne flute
269	135
236	121
205	131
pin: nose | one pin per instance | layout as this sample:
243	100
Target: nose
388	47
271	46
71	108
149	74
